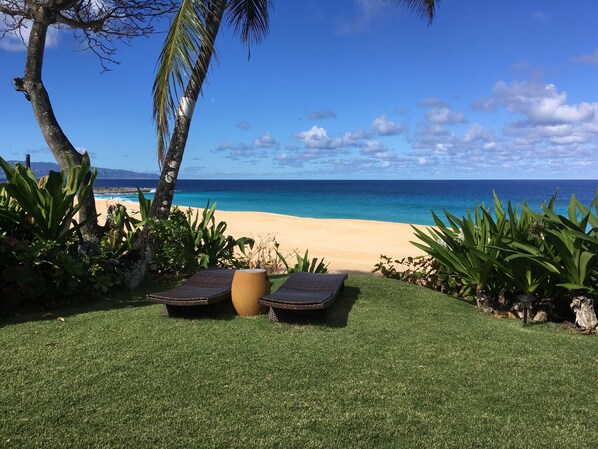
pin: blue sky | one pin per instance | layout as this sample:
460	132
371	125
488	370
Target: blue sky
354	89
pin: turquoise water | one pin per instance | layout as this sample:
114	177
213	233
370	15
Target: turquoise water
395	201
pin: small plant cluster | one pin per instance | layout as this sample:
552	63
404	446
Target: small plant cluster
266	255
304	264
190	242
424	271
496	255
43	257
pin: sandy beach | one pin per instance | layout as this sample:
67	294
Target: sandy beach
350	246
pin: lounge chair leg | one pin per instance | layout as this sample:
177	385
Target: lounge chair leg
276	314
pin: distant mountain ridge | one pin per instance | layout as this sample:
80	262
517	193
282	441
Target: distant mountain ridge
42	169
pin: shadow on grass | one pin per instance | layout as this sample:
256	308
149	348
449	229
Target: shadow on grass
223	310
119	299
336	315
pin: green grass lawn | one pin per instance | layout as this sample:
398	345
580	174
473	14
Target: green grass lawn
395	366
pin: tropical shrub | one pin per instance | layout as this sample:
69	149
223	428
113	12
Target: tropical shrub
46	273
469	247
121	231
43	259
46	209
180	237
569	255
499	255
216	248
189	242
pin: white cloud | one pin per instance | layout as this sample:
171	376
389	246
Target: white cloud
541	103
317	138
367	12
477	133
385	127
321	115
356	136
266	141
432	102
540	16
240	151
440	113
591	58
244	125
444	115
546	135
433	136
374	147
17	40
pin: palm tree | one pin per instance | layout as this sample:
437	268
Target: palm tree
186	55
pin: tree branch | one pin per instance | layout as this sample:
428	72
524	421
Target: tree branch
97	25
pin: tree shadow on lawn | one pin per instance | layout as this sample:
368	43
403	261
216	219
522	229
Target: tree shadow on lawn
118	299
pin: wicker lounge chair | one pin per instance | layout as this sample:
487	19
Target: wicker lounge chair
204	288
303	292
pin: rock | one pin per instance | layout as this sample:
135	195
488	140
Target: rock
541	317
116	190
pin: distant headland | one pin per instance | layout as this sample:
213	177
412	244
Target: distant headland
42	169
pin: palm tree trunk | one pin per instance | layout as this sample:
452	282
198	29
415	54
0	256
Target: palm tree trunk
174	157
585	313
62	149
145	247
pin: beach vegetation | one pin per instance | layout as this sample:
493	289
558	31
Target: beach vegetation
45	261
46	209
500	254
216	247
189	242
304	263
393	365
121	230
424	271
265	254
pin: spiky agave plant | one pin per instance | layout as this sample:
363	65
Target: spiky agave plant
469	247
47	207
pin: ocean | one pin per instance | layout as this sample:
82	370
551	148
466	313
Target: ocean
394	201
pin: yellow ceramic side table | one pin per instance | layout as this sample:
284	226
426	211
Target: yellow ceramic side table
248	286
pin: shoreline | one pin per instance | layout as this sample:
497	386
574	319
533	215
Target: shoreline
350	246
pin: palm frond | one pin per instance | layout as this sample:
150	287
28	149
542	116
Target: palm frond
179	55
426	9
250	19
